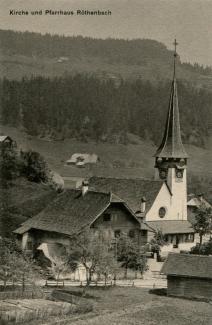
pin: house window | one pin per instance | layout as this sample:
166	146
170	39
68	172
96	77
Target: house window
191	238
131	233
106	217
166	238
162	212
117	233
187	239
29	246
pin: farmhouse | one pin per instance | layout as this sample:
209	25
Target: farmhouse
194	202
75	210
189	275
81	159
6	141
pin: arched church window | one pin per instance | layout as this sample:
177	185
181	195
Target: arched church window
162	212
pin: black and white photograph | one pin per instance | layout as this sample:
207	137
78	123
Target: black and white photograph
105	162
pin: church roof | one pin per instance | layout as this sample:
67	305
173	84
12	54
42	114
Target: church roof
129	190
171	226
71	211
172	146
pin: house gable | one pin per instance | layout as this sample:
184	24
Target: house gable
118	216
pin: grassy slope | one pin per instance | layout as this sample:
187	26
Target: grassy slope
138	155
22	200
132	306
132	160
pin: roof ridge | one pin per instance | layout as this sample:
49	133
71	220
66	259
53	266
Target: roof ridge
78	190
191	255
130	178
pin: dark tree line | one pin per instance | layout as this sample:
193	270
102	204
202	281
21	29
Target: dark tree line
85	107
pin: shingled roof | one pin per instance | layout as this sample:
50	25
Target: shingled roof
172	146
171	226
130	190
4	137
71	212
188	265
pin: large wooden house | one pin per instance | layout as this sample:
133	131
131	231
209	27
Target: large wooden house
75	210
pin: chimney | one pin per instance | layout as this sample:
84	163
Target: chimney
200	196
143	204
84	187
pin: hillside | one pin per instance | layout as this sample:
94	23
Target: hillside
26	54
134	160
99	89
20	201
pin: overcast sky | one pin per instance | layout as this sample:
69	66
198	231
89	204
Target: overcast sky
190	21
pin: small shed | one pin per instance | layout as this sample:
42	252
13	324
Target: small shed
188	275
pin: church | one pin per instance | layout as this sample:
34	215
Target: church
136	207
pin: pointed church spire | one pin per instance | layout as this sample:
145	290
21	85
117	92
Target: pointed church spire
172	146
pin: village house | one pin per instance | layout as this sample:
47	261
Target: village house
81	159
194	202
73	211
6	142
188	275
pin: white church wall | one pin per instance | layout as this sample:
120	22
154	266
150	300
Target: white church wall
178	188
175	204
163	199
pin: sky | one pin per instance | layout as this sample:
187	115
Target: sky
190	21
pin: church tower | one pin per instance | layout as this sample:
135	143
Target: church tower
171	157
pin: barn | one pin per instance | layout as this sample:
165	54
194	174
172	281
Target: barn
188	275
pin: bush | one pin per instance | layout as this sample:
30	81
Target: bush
204	249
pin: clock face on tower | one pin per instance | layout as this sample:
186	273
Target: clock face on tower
163	173
179	173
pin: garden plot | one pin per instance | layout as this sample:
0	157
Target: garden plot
25	310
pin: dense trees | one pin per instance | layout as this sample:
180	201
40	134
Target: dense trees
29	164
86	107
203	221
33	166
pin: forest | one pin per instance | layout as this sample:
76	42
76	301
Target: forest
85	107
